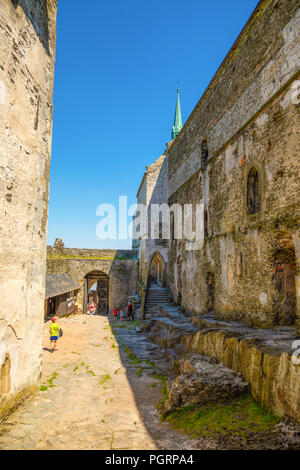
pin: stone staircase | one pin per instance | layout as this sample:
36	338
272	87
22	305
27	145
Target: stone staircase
157	296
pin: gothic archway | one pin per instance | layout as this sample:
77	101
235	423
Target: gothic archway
157	268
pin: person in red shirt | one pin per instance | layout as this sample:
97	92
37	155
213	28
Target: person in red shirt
115	311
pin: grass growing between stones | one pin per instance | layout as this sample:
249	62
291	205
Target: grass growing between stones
130	355
241	417
105	379
49	383
163	380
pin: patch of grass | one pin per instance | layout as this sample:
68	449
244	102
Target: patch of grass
50	381
116	371
126	325
105	378
75	368
43	388
91	372
150	363
239	418
133	357
163	391
161	378
154	384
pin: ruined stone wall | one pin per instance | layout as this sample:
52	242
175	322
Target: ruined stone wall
52	252
154	190
123	276
248	119
27	53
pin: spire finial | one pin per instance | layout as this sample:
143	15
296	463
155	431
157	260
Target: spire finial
178	119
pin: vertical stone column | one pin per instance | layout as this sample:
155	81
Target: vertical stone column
27	50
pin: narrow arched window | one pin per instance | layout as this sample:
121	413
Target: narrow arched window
172	227
205	224
253	192
204	153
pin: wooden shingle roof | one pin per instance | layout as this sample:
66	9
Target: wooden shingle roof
58	284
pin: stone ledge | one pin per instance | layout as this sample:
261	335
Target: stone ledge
262	357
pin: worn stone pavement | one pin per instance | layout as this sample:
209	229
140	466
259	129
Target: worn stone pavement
93	397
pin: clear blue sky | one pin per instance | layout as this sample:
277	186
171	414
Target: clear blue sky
117	67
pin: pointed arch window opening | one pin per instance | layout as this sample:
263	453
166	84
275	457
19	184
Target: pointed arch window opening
253	192
204	153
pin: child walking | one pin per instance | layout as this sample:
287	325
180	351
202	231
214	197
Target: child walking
122	315
54	333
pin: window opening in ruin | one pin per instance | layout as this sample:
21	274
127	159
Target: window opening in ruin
172	226
240	265
285	287
204	153
253	192
210	280
160	227
205	224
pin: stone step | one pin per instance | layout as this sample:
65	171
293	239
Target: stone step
262	356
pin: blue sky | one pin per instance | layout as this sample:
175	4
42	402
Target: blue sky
117	68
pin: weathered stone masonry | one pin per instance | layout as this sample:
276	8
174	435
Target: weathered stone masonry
27	54
120	266
245	120
153	253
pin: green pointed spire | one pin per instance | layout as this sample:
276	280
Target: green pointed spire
178	120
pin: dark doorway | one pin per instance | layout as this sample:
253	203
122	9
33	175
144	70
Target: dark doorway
285	287
97	289
51	307
210	280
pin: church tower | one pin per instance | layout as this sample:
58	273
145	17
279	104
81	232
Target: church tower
178	120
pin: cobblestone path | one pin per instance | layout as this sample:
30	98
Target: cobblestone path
92	397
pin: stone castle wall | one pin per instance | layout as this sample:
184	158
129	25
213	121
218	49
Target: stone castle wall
154	190
120	266
248	119
27	51
53	252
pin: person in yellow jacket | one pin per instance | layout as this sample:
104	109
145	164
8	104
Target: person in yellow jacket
54	333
